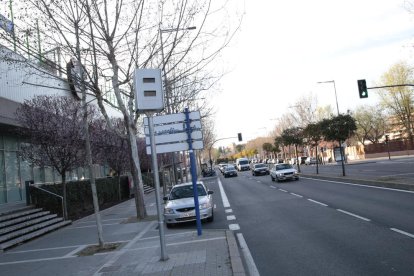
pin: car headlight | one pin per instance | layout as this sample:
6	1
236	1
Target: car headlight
280	174
205	205
168	211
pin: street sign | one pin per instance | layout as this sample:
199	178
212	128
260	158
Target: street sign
176	147
171	133
173	118
173	128
174	138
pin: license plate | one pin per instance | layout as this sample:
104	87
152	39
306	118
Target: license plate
189	214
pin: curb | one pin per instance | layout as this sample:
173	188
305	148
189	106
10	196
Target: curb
376	183
235	258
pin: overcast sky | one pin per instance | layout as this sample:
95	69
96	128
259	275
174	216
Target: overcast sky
286	47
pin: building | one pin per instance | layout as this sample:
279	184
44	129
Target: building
21	79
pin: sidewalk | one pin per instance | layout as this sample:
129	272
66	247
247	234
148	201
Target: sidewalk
215	252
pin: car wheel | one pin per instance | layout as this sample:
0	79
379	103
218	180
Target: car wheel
271	177
169	225
225	176
277	179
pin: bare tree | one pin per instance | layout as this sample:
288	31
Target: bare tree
54	130
371	124
400	100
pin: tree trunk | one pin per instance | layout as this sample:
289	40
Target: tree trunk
65	206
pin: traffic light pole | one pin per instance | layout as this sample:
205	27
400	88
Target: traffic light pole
211	146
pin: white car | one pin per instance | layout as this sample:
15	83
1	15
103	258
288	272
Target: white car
179	206
283	172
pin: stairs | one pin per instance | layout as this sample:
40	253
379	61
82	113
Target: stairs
148	189
26	223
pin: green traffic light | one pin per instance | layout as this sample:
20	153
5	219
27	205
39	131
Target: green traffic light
362	88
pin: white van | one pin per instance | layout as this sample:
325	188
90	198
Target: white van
242	164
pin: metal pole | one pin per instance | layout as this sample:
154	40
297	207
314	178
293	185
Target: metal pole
193	171
164	255
14	29
336	98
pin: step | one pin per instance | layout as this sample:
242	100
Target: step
33	235
22	219
19	214
27	223
29	229
15	210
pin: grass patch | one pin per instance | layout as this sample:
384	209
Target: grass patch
93	249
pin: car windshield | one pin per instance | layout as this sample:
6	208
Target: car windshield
243	162
283	167
187	191
259	165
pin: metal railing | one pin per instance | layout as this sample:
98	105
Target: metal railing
49	192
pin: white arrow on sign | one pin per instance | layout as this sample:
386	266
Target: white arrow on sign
174	138
176	147
172	118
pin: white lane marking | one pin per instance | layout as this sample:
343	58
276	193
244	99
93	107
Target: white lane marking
224	198
234	227
118	254
91	226
231	217
352	214
37	260
251	266
283	190
360	185
273	187
317	202
228	210
258	181
94	221
296	195
402	232
80	248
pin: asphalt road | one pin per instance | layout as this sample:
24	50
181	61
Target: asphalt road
398	169
315	227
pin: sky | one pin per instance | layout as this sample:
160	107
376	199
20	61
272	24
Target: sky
285	47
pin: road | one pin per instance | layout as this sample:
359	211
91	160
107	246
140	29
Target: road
315	227
398	169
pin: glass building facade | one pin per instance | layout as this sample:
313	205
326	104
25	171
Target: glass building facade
14	171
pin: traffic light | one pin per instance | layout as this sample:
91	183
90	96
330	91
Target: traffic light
239	135
362	88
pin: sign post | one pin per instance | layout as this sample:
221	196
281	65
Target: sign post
149	97
193	171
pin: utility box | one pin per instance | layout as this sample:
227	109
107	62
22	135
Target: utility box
149	94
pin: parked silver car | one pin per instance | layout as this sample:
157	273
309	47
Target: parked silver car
180	204
283	172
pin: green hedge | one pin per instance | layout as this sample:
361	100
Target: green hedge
79	196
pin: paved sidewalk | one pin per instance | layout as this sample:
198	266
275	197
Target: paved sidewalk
215	252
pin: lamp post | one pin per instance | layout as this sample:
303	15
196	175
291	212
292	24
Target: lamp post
340	142
336	97
161	31
167	91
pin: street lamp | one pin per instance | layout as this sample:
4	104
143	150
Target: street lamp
336	97
161	31
167	92
340	142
